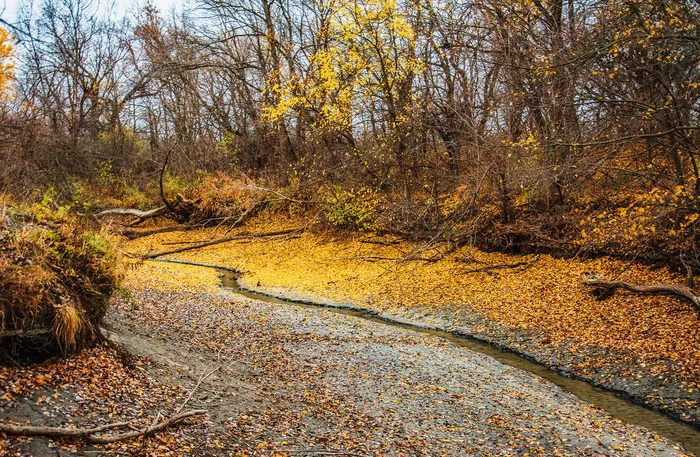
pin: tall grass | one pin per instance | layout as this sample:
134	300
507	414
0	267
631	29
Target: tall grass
56	276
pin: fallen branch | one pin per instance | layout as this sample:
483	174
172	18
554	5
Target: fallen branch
155	212
222	240
147	431
57	432
380	242
367	258
203	376
133	234
503	266
678	290
242	217
376	258
90	434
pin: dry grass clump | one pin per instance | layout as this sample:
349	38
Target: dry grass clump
56	277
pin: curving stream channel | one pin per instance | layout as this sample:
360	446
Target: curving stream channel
616	406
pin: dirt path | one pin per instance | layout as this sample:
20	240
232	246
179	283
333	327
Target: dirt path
288	381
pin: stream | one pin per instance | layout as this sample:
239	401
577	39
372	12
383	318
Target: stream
616	406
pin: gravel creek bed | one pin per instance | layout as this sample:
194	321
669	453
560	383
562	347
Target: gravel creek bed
306	381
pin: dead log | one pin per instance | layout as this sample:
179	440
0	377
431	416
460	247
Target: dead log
57	432
222	240
141	216
678	290
155	212
91	434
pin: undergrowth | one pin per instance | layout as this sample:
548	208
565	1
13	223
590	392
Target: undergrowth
57	273
652	225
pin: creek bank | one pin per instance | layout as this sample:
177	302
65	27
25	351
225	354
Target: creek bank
653	391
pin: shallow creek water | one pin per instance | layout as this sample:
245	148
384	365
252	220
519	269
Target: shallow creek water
616	406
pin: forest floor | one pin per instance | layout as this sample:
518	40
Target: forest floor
286	381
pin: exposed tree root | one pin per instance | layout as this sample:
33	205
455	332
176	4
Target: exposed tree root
223	240
91	434
678	290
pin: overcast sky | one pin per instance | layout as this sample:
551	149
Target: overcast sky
8	8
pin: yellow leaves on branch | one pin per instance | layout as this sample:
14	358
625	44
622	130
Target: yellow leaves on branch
367	52
7	52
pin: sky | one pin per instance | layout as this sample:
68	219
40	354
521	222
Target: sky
8	8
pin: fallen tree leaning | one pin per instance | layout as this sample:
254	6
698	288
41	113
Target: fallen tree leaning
678	290
133	234
223	240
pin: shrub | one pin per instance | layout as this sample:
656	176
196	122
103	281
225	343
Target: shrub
349	209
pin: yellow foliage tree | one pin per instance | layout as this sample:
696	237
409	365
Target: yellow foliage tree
7	52
365	61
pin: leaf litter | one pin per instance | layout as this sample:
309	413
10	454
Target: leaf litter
648	346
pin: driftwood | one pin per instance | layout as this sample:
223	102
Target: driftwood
155	212
91	434
678	290
503	266
222	240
